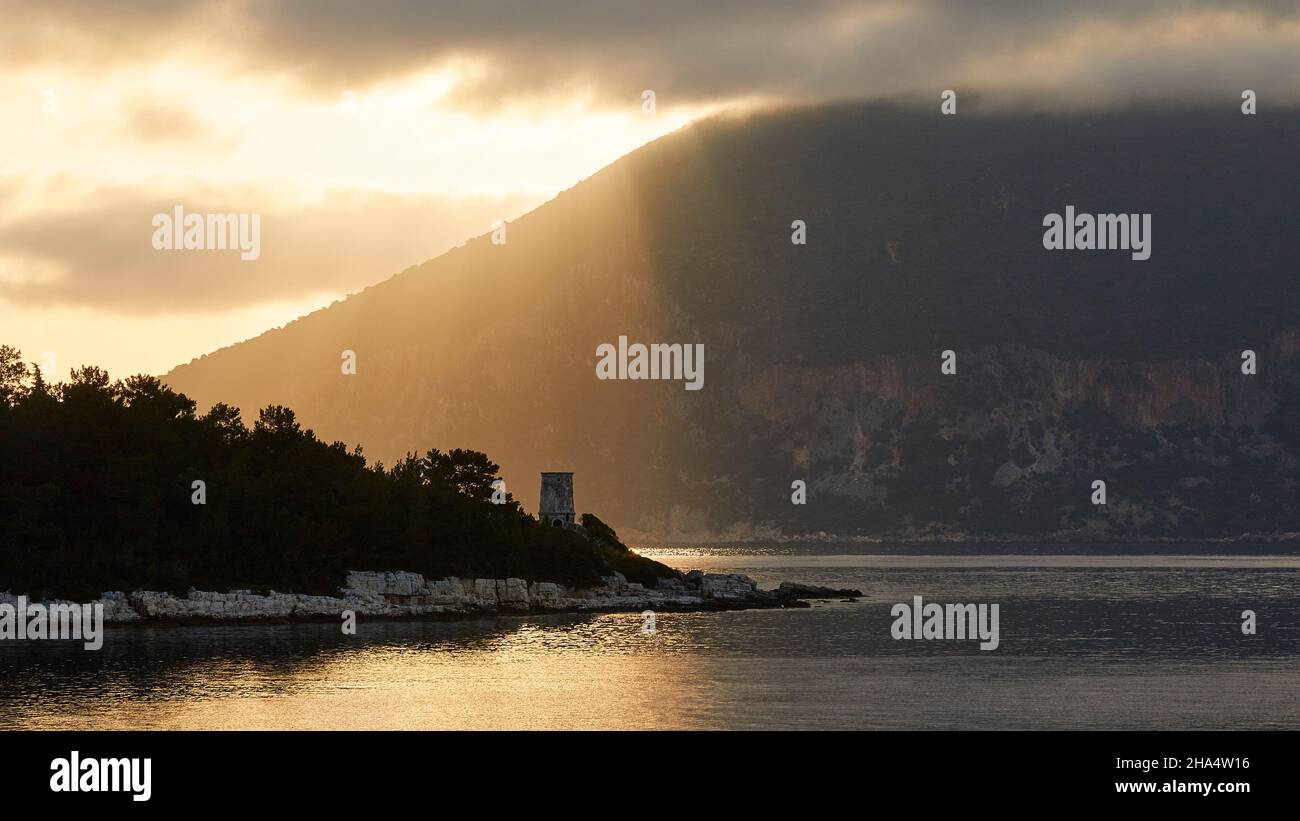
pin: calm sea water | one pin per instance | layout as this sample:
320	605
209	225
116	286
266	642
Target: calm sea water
1096	641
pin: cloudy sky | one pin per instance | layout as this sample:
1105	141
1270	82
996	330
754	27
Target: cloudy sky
372	136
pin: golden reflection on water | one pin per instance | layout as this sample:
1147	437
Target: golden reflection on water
533	677
1082	648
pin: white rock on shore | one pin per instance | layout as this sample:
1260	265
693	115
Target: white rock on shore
380	593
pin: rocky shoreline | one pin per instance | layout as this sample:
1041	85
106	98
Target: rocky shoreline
403	594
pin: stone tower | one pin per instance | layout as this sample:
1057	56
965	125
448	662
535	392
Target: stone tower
556	507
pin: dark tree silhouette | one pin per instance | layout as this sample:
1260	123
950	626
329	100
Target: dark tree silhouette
98	481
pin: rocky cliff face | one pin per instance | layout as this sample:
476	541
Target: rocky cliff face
1009	445
924	234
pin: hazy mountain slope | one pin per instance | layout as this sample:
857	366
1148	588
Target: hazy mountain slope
822	361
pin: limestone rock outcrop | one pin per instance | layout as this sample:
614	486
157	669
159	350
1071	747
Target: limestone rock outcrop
402	593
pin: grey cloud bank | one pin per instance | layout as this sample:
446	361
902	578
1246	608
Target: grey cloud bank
693	52
103	255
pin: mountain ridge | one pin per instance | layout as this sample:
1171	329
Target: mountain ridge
928	240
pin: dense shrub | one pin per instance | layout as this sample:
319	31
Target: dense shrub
96	487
